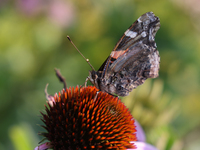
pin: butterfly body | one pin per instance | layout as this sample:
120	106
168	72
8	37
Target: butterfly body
134	59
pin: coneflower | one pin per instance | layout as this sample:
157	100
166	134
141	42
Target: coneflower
86	119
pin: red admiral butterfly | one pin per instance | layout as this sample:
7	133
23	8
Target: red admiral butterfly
134	59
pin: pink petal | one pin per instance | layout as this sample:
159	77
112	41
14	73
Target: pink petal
140	132
143	146
44	146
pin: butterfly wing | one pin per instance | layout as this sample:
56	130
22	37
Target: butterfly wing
134	58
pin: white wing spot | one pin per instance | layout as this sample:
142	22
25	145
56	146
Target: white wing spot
126	32
139	20
143	34
131	34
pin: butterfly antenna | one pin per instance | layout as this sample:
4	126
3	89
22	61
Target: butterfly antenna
87	60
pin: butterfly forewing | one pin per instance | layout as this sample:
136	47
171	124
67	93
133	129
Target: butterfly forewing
134	40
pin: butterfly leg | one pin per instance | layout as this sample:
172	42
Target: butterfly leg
96	96
85	84
86	80
61	78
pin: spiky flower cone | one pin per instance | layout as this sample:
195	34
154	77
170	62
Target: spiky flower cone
81	119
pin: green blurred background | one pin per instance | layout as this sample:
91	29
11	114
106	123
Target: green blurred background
33	41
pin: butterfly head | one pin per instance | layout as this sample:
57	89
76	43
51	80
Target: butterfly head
94	78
